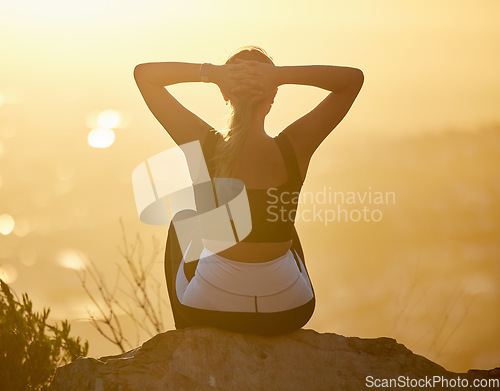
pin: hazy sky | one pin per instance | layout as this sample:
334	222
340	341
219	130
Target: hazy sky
429	66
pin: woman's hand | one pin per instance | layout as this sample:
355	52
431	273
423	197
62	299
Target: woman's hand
245	79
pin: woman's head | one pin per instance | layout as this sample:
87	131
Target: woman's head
243	114
250	53
254	53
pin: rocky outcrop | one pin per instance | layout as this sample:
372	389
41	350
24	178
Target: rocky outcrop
202	358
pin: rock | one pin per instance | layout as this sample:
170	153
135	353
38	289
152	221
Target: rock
202	358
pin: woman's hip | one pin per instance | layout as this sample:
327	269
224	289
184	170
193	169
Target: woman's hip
250	279
224	285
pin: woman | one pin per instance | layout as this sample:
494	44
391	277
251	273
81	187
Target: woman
259	285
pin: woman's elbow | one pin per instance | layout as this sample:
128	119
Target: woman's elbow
356	80
358	77
138	70
141	70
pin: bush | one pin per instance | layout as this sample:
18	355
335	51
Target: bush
31	349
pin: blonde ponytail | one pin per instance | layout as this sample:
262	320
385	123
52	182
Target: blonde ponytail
240	119
238	127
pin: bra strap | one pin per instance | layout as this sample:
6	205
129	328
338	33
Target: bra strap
289	157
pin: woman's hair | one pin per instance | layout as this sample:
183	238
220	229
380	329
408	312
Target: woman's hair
240	118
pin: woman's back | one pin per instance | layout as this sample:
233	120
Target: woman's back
260	165
268	168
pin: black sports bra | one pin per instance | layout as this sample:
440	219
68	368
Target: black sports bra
272	210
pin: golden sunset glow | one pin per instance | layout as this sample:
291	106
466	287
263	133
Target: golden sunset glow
426	127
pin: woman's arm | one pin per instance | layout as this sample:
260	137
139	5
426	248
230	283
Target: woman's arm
180	123
309	131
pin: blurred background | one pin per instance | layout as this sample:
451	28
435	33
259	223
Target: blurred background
425	128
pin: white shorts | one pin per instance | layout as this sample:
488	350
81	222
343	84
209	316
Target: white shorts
221	284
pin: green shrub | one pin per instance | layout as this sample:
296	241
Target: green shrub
31	349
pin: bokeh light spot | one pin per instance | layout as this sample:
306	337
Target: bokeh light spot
7	224
480	284
109	119
22	228
8	273
101	138
64	187
27	256
65	173
72	259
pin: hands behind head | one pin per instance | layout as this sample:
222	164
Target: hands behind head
246	80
